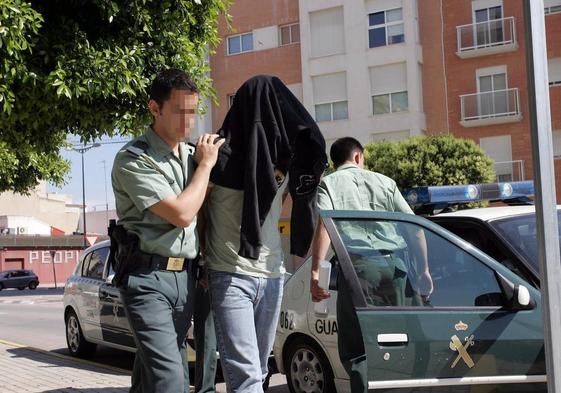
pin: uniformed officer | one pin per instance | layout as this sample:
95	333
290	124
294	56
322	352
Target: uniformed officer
158	191
351	187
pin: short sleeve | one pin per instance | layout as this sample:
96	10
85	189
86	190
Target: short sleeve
324	201
142	183
399	202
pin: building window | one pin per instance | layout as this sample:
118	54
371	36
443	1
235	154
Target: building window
554	71
388	87
552	6
231	100
327	32
332	111
390	103
330	97
240	43
289	34
489	26
385	28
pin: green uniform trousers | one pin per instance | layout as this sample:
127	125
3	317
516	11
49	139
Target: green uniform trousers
205	342
158	305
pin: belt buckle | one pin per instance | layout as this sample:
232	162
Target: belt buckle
175	264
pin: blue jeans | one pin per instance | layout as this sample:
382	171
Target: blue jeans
246	311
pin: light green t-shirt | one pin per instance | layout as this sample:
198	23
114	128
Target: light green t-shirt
353	188
224	212
140	182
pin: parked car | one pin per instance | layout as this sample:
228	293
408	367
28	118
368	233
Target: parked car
93	309
20	279
480	329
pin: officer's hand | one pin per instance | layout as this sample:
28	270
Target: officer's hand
318	293
207	149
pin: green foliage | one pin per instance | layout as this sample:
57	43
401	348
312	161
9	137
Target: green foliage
430	161
82	67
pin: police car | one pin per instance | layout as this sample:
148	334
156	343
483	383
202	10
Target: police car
93	310
479	329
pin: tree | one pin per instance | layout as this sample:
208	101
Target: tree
81	67
430	161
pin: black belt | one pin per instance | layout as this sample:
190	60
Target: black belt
158	262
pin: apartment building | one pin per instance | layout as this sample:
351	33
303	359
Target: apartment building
355	65
475	77
361	68
264	38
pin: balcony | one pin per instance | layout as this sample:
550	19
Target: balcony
490	107
486	38
508	171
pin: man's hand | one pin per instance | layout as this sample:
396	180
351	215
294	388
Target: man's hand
207	149
318	293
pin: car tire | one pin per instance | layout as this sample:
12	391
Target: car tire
75	341
21	288
307	368
32	285
1	287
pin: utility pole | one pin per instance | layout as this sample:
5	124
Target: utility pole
544	183
106	200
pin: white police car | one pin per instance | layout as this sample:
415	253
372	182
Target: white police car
480	328
93	310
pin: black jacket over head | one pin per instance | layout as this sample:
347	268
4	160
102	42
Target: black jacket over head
267	128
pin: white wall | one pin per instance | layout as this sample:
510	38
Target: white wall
23	225
355	62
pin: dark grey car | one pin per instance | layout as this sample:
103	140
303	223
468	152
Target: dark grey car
19	279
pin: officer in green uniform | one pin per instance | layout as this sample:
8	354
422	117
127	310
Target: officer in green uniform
158	191
373	248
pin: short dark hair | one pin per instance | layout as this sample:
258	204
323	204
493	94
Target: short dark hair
343	149
166	81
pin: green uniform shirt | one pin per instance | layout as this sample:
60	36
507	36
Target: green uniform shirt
353	188
224	210
140	181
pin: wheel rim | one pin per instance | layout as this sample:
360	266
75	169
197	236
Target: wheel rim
32	285
306	372
73	333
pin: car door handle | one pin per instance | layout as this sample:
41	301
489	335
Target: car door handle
393	339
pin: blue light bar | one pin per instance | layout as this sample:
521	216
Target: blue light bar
439	195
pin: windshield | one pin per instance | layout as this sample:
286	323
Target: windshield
520	232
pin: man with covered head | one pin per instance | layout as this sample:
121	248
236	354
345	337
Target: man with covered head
272	145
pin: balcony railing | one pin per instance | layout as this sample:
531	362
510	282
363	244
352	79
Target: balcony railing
482	38
490	107
509	170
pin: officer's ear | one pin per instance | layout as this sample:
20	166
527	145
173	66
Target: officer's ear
154	108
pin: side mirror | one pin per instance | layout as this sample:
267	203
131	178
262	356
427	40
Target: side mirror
516	297
109	279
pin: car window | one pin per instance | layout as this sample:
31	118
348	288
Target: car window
482	238
96	263
83	266
388	259
520	232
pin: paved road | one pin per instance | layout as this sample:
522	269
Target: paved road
34	318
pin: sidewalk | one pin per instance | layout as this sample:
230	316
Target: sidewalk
27	296
26	369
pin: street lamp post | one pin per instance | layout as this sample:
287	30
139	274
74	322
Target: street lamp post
82	150
53	254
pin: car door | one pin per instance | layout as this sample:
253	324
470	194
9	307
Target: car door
92	279
451	327
114	324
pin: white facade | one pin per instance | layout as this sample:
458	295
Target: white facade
23	225
345	81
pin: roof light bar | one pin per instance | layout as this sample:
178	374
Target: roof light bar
438	195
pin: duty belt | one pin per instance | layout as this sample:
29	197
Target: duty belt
157	262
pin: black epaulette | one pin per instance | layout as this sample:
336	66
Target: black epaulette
138	148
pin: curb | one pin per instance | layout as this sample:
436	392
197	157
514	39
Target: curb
66	357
